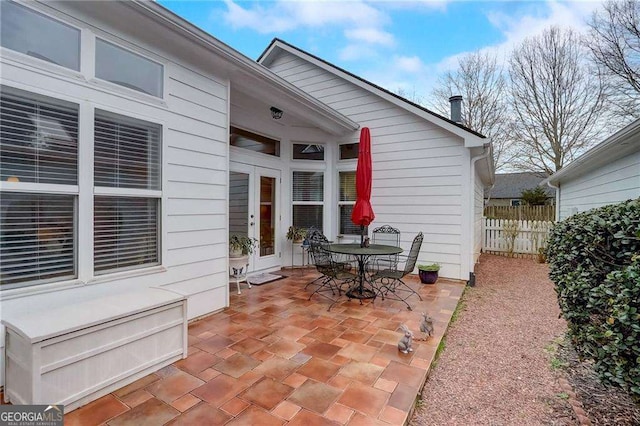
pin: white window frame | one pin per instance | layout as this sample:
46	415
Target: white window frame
49	189
135	51
310	203
41	63
98	191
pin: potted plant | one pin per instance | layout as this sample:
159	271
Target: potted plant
428	273
240	245
296	234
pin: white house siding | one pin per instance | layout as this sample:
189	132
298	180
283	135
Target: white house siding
612	183
478	211
195	157
417	166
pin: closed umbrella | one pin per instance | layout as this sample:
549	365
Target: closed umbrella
362	211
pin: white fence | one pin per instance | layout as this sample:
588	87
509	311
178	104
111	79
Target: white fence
514	236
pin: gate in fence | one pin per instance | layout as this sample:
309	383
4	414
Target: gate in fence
514	237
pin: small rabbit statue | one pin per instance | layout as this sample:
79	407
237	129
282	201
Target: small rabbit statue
405	343
426	326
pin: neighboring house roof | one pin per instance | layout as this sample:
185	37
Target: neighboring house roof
472	138
621	144
511	185
243	71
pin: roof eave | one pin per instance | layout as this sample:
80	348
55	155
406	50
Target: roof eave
335	122
612	148
471	138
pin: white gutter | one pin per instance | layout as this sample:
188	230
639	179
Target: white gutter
557	188
486	151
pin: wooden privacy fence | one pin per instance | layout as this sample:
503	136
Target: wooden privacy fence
514	237
547	213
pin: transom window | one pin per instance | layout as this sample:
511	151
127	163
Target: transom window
128	69
349	151
32	33
308	151
308	199
254	142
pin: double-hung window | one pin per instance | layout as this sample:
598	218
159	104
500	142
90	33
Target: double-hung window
39	174
308	199
127	181
346	201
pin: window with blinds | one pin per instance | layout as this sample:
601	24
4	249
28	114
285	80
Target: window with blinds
308	197
125	233
39	140
346	202
36	239
127	183
127	152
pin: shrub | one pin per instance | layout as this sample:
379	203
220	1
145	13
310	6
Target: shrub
592	263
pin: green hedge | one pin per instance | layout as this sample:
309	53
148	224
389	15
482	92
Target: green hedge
594	260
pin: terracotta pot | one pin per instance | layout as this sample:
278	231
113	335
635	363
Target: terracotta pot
428	277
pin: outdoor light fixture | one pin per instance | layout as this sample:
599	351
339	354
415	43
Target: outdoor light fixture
276	113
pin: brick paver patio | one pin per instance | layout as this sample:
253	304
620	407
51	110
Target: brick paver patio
275	358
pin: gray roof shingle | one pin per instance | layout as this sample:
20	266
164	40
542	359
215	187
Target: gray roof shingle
511	185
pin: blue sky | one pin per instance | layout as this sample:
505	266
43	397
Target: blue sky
396	44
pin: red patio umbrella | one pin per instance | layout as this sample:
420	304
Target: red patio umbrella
363	212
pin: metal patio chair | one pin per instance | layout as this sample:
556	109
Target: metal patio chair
387	235
334	275
388	282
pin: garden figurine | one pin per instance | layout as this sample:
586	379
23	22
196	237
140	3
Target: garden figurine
426	325
406	342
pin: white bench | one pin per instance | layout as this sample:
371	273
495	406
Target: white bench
74	354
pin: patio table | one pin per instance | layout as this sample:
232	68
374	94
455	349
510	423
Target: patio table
363	288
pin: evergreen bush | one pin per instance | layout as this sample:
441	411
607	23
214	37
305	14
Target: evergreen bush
594	261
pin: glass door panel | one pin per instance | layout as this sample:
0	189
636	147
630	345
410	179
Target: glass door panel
267	215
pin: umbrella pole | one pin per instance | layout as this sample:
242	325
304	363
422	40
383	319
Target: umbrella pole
361	235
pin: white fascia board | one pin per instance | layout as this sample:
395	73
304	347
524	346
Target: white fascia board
470	140
621	144
326	117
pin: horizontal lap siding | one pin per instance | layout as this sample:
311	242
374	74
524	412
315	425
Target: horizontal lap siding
478	211
417	178
610	184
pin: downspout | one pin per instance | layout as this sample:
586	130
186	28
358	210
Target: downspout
557	188
486	151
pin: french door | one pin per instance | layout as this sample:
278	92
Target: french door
254	211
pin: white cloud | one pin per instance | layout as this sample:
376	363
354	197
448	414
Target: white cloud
370	35
409	64
286	15
527	22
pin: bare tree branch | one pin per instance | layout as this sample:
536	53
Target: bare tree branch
615	46
480	81
557	104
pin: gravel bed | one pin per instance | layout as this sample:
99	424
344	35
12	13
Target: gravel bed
496	367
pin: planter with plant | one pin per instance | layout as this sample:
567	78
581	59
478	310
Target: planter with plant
296	234
240	245
428	273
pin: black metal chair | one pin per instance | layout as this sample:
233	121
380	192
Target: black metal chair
390	236
334	275
388	282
